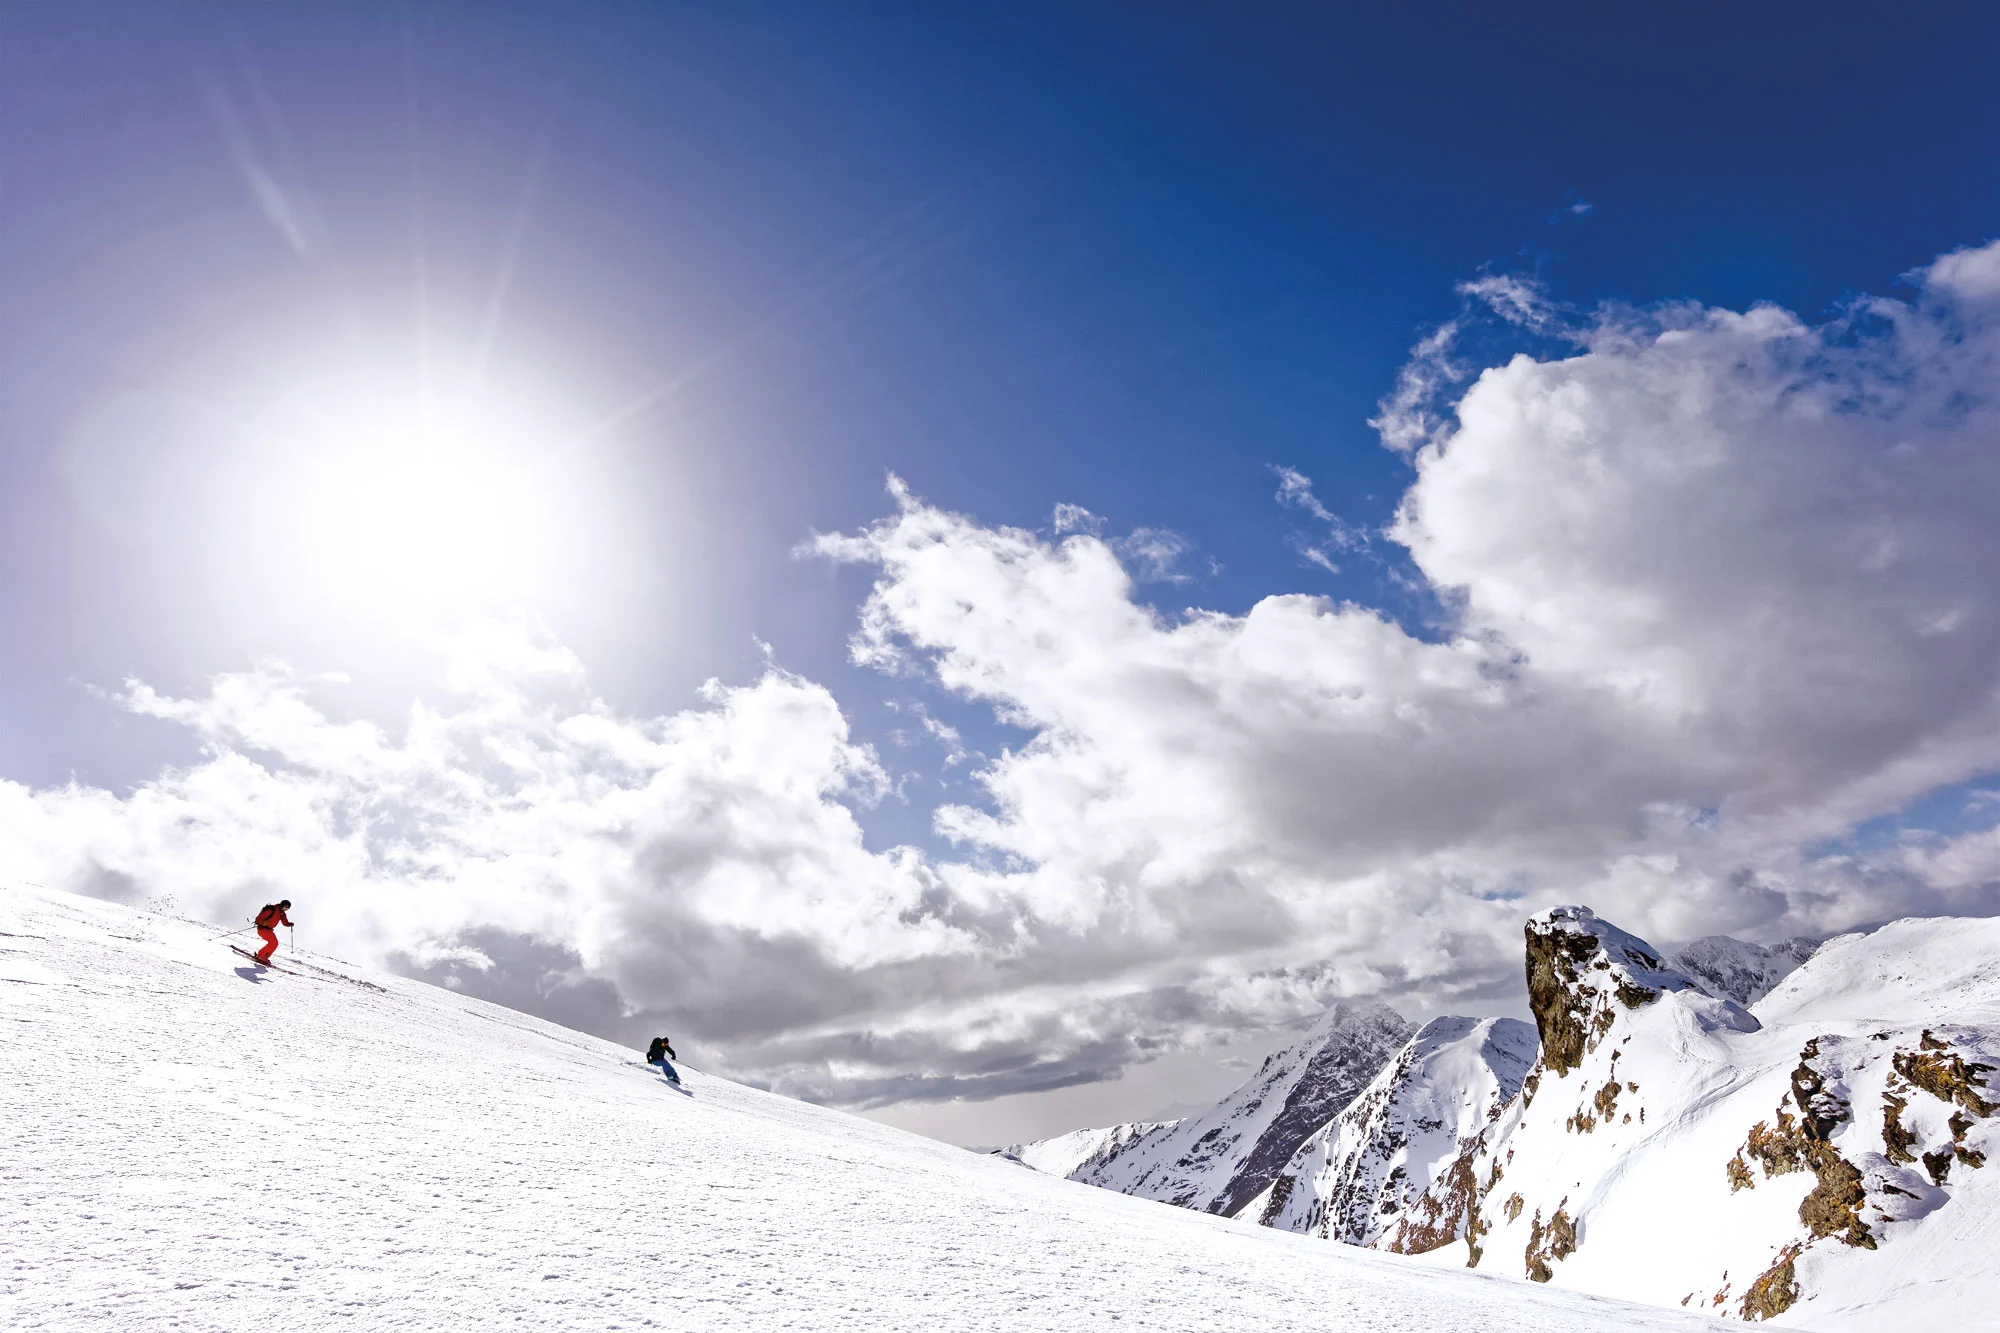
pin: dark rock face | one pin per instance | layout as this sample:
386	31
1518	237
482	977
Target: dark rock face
1577	965
1355	1179
1219	1160
1584	975
1555	961
1334	1077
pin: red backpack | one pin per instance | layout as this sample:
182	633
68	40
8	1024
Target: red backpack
269	916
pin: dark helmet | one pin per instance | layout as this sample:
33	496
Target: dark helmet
284	902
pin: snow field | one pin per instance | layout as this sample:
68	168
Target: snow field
188	1143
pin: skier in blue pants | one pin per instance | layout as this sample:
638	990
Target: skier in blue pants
657	1054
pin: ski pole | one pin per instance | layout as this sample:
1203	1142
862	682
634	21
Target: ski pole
227	934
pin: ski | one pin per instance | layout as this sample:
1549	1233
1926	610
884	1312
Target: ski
262	963
332	975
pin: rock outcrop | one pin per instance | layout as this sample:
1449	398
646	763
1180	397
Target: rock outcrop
1805	1163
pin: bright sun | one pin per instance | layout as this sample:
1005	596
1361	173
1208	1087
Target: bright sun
392	493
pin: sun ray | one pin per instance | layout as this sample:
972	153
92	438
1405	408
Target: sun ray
895	248
503	278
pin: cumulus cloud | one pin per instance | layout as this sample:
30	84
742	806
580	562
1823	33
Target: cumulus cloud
1723	585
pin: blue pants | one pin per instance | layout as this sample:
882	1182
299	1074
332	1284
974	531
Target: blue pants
667	1069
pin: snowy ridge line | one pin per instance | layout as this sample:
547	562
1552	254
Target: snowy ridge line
325	1157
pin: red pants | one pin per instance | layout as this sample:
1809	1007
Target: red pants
270	944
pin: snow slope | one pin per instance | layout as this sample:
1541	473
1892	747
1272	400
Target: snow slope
189	1143
1821	1163
1737	970
1219	1160
1352	1180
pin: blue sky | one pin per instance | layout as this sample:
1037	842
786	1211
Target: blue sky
745	262
1019	255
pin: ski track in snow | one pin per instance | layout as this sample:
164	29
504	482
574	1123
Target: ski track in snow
189	1143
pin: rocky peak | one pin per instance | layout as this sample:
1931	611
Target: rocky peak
1219	1159
1738	970
1583	972
1353	1044
1352	1181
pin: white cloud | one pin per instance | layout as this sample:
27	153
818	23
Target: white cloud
1314	555
1295	488
1075	518
1152	553
1724	585
1409	417
1517	300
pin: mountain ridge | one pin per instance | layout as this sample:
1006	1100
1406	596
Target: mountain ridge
1217	1160
1352	1180
1781	1149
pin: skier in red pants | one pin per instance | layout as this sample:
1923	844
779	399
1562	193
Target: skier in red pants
268	920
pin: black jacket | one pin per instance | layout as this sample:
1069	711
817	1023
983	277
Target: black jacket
661	1048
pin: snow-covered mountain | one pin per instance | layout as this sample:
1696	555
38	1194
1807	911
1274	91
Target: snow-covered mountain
1064	1153
1220	1159
1736	970
189	1142
1351	1181
1820	1163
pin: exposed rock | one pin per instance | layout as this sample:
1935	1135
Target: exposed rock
1549	1244
1562	1017
1833	1207
1633	1042
1445	1212
1897	1140
1577	964
1946	1075
1775	1290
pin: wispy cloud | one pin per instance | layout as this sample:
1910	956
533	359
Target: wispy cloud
1295	489
1152	554
1075	518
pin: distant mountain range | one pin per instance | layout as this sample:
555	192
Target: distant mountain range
1794	1132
